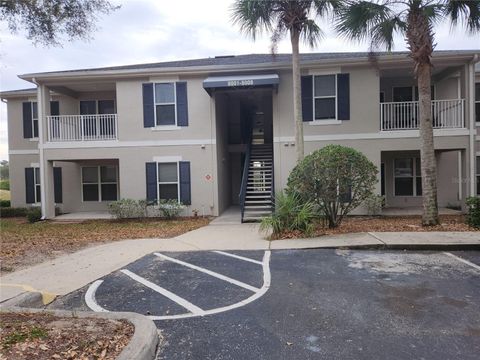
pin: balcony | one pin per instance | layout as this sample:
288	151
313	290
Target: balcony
447	114
100	127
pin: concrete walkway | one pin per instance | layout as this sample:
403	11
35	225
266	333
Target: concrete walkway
70	272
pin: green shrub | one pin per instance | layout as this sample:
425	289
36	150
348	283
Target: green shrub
170	208
128	208
473	216
336	178
4	203
291	214
374	204
12	212
34	214
4	184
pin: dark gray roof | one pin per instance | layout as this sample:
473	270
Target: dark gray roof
258	59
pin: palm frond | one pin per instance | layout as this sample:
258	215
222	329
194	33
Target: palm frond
466	12
254	16
357	19
382	33
311	33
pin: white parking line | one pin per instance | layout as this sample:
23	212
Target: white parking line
195	310
266	285
90	297
238	257
209	272
475	266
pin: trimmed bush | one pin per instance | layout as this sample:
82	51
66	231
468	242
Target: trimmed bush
4	184
4	203
170	208
128	209
336	178
34	214
374	204
12	212
291	214
473	216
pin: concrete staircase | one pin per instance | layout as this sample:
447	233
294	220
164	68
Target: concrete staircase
258	196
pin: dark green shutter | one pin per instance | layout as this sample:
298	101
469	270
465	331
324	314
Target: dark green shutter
151	176
27	120
307	98
182	104
57	185
29	186
148	105
343	97
54	108
185	183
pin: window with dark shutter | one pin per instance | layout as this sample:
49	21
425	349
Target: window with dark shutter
27	120
307	98
151	179
182	104
343	96
29	185
148	105
185	183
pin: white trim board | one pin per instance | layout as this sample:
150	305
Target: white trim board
24	152
166	159
118	144
377	135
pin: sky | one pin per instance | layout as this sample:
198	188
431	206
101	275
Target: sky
144	31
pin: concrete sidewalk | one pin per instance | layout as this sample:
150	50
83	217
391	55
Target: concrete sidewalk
70	272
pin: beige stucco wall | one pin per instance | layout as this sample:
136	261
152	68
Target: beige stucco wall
18	163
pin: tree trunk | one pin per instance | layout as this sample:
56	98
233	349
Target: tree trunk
427	150
297	95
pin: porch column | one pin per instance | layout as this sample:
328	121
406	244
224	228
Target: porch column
46	167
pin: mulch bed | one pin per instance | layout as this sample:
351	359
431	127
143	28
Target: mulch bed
24	244
44	336
355	224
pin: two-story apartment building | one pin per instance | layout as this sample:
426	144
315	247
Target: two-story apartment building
206	131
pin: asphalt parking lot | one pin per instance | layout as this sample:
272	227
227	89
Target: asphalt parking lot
300	304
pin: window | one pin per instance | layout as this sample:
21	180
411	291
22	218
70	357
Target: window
35	119
165	104
93	107
477	103
99	183
325	97
478	175
168	184
36	177
408	179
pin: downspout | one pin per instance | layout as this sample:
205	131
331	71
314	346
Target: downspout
471	114
43	203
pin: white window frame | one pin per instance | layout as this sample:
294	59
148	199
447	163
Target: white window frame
174	103
34	136
99	182
478	173
37	201
414	176
168	182
325	121
477	123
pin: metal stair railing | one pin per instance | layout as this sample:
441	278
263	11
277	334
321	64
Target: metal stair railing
246	168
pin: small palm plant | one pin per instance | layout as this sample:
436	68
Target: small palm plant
378	21
291	214
280	17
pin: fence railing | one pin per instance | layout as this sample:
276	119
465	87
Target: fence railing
446	114
82	127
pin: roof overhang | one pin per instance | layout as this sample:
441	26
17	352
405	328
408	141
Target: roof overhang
240	82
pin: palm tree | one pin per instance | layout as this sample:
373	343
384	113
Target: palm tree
379	21
279	18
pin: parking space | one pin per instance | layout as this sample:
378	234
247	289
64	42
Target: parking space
301	304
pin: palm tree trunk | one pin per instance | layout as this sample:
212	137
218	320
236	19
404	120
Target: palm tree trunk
297	95
427	150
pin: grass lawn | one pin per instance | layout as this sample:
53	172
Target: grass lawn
4	194
24	244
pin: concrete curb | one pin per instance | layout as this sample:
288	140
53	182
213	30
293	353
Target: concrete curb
412	247
142	345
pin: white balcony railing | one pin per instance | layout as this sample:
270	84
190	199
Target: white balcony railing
447	114
82	127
